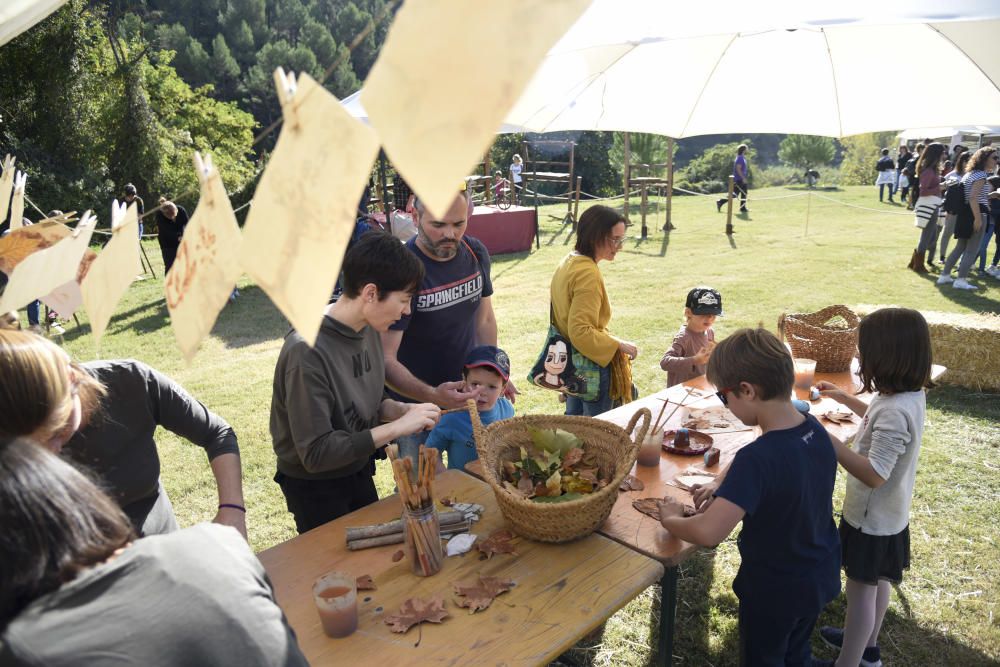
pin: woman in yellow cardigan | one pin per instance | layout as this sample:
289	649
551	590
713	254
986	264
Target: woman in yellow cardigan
581	310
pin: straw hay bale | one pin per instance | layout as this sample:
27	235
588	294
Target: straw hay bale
967	345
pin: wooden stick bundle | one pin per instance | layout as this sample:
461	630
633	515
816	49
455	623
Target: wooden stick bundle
418	496
656	424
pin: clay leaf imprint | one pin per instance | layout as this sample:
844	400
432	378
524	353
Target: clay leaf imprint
207	264
366	583
448	122
478	595
114	269
306	205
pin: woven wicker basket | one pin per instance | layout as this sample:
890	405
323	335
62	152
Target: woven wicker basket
812	337
611	446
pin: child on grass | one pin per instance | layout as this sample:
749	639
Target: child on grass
781	487
688	354
487	370
894	351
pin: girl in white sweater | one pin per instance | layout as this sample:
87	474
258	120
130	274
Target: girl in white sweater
894	351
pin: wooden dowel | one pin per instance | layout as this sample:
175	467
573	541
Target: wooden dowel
397	538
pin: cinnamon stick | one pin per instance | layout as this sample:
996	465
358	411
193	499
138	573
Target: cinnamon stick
396	526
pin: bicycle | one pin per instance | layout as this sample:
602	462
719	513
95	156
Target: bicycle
502	197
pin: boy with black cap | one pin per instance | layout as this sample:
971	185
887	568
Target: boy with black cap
486	371
688	355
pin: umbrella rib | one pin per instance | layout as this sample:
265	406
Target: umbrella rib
701	92
836	91
964	54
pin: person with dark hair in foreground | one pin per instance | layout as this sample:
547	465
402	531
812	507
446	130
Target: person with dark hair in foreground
330	417
77	588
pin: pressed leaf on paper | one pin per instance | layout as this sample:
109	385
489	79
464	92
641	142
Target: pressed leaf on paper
114	269
478	595
305	207
839	417
415	611
207	265
20	243
499	542
53	274
436	126
6	183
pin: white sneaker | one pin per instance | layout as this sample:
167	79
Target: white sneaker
962	283
945	279
56	329
992	270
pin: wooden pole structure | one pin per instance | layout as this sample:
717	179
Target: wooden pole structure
668	225
626	175
569	194
381	178
729	207
645	200
576	202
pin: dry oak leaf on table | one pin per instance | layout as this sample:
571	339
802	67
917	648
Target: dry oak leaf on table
398	556
415	611
499	542
366	583
478	595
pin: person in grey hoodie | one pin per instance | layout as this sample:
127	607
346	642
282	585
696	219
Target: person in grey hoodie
330	418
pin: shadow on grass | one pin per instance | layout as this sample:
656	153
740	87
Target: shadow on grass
505	263
968	298
904	641
693	619
249	320
155	311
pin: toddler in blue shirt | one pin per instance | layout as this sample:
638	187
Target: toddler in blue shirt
487	369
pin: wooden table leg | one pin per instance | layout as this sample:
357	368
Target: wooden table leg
668	609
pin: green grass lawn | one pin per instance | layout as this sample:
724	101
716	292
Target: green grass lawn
792	254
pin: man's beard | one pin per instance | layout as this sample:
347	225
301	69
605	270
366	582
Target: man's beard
438	249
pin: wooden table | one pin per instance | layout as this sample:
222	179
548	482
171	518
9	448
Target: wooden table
563	591
644	534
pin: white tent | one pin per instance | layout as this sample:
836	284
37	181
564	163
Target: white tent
16	16
970	135
834	69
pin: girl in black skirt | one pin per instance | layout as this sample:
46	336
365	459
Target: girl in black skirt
894	351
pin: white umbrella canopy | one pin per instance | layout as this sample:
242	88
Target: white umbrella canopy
16	16
717	67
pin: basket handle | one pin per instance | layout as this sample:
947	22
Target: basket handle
781	328
478	430
647	418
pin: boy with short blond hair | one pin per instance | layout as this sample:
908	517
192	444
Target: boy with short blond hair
781	487
692	346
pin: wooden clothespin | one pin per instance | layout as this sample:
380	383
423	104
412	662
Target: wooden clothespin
287	86
17	202
204	169
88	220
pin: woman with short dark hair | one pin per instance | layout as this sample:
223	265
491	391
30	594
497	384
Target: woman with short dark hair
581	312
76	588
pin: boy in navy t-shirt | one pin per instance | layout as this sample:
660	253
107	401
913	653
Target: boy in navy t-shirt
487	369
781	487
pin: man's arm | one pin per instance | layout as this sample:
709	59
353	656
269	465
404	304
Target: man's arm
486	323
402	381
398	376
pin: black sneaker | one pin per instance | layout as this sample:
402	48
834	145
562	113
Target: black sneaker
718	205
834	638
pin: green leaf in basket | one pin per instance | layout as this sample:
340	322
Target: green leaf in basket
554	440
576	484
557	499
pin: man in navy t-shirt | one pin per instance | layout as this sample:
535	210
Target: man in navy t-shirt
451	312
781	487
